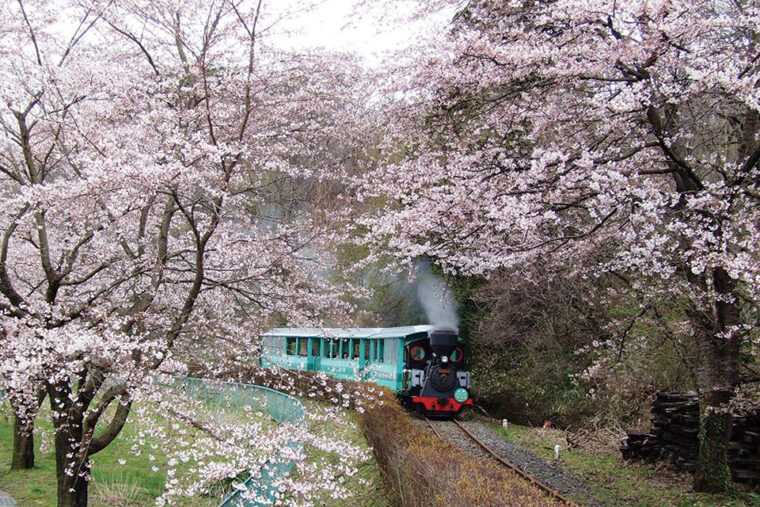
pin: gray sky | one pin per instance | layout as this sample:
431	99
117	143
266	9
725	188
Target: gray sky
334	25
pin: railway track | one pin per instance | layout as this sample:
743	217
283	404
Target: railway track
490	452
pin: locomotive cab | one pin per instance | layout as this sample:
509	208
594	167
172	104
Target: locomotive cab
435	374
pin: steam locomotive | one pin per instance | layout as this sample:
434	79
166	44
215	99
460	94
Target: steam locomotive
437	382
423	365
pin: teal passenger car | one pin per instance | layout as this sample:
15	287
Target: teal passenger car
370	354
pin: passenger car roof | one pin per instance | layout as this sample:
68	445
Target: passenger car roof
350	332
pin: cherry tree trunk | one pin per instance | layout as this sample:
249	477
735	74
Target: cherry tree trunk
719	348
23	437
713	474
73	478
71	469
73	492
23	445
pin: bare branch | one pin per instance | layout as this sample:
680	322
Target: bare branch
31	32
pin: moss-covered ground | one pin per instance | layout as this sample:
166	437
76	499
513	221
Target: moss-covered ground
614	481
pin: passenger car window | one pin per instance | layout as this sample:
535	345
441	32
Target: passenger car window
315	347
303	346
390	350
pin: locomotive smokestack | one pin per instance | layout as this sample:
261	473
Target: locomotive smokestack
443	341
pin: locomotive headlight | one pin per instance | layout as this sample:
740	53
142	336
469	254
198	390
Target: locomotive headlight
461	394
444	359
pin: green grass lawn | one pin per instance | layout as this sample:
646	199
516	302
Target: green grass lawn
134	483
115	484
614	481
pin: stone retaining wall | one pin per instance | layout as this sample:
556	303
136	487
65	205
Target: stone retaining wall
675	436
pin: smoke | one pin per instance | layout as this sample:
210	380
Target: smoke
435	297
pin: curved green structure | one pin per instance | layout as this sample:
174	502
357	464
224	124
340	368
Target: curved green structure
281	407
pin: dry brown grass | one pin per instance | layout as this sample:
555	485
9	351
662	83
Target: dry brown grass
115	493
425	471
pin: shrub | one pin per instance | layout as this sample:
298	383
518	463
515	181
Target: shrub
584	352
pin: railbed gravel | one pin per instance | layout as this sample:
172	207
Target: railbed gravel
546	472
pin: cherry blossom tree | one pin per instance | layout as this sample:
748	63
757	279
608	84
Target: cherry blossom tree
161	169
566	132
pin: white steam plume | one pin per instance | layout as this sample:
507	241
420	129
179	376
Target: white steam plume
435	297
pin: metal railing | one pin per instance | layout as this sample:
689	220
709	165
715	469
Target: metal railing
261	487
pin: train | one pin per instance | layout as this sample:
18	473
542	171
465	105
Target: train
424	365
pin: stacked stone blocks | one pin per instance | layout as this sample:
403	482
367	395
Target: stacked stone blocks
674	436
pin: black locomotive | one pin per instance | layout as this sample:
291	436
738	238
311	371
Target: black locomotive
435	377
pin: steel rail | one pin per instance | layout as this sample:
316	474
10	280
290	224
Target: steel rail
432	427
521	473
